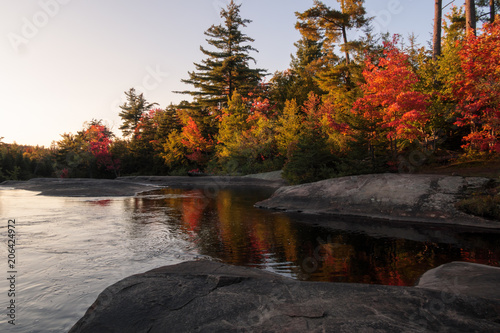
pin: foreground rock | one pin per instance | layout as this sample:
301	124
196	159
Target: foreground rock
207	296
465	279
417	198
129	186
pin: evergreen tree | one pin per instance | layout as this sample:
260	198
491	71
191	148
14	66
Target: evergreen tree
330	26
322	22
132	111
298	81
308	51
452	42
226	69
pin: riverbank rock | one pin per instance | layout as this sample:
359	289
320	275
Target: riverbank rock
417	198
79	187
129	186
273	175
215	182
207	296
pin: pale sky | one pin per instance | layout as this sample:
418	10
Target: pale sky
64	62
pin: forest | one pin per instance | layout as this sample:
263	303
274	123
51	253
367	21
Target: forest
370	104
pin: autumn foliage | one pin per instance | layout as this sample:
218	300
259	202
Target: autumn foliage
99	139
344	106
478	89
391	107
196	145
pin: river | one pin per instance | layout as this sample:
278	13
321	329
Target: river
69	249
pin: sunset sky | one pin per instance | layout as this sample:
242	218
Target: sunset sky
64	62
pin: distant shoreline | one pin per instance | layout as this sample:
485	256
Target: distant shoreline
388	197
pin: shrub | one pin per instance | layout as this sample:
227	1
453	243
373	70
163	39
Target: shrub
485	204
309	161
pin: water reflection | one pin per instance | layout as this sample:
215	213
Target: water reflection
227	227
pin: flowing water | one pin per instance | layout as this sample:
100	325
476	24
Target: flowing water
69	249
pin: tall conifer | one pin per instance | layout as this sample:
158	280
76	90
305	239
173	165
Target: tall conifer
226	69
330	26
132	111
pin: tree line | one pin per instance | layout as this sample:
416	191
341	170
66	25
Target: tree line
345	105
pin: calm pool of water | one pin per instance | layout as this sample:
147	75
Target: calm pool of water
69	249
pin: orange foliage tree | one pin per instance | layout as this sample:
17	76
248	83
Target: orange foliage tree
246	139
197	146
391	107
99	139
478	89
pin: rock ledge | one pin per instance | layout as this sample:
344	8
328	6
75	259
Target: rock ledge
206	296
416	198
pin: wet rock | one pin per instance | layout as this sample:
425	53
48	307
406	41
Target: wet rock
417	198
206	296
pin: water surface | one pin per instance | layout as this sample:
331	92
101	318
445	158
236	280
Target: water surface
70	249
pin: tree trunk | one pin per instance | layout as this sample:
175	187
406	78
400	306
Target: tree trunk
492	11
438	13
344	35
347	59
346	51
470	16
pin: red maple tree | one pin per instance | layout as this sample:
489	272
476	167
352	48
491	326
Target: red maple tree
391	106
194	141
478	89
99	138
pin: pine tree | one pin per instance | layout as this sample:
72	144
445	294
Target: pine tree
132	112
226	69
307	51
330	26
298	81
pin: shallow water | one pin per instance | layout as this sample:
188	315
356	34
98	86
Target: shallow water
69	249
